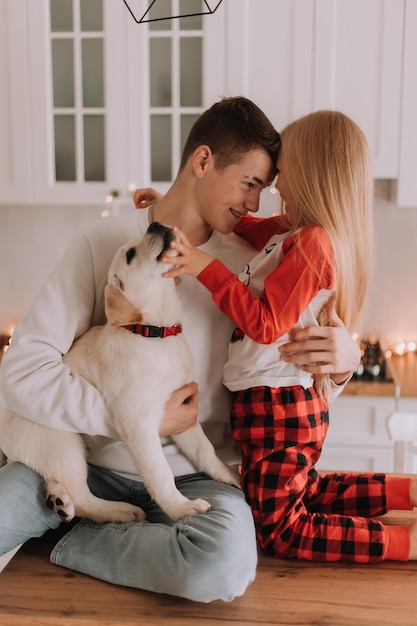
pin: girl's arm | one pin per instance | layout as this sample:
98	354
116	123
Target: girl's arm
287	290
257	230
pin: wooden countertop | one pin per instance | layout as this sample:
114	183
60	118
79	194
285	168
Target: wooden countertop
404	384
37	593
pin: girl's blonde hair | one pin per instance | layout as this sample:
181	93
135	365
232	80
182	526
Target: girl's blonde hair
328	168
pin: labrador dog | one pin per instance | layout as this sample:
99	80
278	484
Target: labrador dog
136	360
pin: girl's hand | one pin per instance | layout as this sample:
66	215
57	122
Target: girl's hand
142	198
324	349
190	260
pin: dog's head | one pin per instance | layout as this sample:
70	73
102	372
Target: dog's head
136	292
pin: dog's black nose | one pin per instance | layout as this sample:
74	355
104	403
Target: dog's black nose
156	227
164	233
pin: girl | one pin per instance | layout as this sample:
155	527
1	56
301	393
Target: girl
319	248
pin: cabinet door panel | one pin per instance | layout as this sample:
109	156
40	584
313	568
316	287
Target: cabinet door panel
358	438
355	459
358	61
181	72
14	113
338	54
269	48
360	420
406	189
77	102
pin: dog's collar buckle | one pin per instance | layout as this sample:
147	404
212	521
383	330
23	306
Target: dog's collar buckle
154	331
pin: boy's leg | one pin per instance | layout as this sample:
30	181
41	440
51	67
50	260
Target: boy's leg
203	557
23	512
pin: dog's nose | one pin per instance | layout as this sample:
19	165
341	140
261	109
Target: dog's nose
156	227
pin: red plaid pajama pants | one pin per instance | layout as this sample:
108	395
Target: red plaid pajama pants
297	513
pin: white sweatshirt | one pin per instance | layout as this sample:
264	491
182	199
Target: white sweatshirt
36	384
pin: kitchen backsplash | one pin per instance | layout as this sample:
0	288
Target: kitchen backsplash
32	240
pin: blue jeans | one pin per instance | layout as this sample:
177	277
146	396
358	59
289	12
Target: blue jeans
203	557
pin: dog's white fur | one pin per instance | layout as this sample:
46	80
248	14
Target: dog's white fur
135	375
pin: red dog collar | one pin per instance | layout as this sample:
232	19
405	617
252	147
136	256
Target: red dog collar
154	331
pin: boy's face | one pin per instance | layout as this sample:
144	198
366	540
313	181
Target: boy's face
228	194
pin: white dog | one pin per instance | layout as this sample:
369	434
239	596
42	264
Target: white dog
136	361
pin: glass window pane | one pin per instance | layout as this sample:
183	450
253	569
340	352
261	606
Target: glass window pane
94	147
65	169
61	16
91	15
92	71
63	72
190	71
160	9
161	165
160	71
190	7
186	123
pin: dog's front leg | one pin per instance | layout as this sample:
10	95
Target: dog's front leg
200	451
142	438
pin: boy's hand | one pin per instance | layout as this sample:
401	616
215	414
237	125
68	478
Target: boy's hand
181	411
324	349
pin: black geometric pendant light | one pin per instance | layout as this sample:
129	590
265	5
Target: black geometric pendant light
145	17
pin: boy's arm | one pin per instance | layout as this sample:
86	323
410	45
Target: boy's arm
324	350
35	382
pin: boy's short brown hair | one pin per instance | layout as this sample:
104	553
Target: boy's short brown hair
231	128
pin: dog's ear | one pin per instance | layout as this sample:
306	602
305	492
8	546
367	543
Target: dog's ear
118	308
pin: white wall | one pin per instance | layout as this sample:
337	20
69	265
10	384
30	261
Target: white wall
33	238
392	309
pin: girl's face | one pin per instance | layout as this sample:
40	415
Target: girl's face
285	192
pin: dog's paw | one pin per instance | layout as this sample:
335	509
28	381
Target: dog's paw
58	500
232	478
191	507
129	513
225	474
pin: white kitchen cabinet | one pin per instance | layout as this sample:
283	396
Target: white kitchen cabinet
269	53
78	110
358	438
407	404
174	71
357	69
405	187
289	56
293	57
15	147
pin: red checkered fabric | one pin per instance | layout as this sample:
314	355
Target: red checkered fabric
297	513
